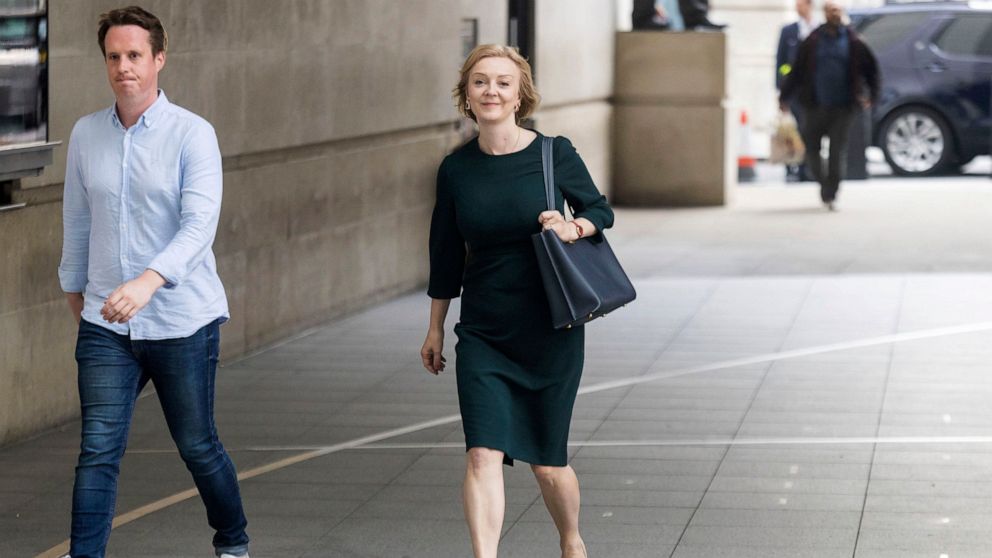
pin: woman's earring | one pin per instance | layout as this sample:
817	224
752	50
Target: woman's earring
516	108
468	105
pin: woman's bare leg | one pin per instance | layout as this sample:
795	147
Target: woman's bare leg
484	500
560	489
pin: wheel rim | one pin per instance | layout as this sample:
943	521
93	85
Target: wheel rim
915	142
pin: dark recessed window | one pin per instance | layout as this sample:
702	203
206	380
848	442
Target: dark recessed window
470	35
23	72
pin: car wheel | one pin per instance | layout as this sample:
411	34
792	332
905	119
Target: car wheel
916	142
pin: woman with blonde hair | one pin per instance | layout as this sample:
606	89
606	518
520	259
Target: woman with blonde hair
517	376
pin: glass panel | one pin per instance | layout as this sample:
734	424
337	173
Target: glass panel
970	36
884	31
23	71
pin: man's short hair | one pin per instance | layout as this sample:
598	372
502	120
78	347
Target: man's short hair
134	15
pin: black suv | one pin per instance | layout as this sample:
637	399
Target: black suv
936	62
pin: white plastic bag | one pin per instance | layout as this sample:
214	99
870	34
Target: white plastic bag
787	143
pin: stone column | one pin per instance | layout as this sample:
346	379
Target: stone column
672	139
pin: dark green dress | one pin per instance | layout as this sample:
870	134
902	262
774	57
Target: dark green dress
517	376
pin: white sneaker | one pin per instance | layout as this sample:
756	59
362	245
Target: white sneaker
226	555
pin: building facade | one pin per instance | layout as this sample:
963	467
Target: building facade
332	116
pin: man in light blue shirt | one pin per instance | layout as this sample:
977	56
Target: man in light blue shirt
142	199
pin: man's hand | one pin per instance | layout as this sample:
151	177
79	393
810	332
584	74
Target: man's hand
75	301
128	299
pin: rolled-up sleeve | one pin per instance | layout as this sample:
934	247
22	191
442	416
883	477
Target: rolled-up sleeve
578	188
201	191
447	245
76	220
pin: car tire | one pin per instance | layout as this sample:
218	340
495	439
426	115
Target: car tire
916	141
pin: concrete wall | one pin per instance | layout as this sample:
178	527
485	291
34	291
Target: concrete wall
332	116
671	141
574	61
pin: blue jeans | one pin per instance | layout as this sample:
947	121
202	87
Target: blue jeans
112	371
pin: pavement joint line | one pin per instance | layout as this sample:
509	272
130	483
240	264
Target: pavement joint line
163	503
886	392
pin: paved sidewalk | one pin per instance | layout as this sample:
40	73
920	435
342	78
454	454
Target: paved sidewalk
789	383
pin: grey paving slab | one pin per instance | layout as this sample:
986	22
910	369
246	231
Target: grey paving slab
776	518
533	534
414	537
783	501
925	520
642	498
956	552
788	430
738	551
618	515
787	487
677	453
800	538
792	470
930	487
937	540
799	454
926	503
975	460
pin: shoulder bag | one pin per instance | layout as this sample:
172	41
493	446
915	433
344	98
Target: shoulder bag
583	279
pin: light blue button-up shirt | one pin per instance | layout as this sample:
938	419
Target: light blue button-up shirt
147	197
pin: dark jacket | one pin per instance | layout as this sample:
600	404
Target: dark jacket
865	82
788	46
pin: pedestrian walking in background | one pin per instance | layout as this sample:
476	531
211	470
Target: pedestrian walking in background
517	376
140	208
649	15
835	76
788	46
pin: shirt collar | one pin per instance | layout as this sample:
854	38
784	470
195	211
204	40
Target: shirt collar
808	25
151	114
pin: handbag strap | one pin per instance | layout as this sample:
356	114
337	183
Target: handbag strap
548	161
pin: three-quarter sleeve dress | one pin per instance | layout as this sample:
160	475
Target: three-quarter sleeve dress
517	376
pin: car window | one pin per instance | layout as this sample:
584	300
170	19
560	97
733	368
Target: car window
883	31
969	35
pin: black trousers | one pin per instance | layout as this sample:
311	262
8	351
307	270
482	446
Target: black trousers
799	113
694	12
835	123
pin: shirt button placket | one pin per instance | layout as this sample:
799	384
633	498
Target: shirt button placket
125	208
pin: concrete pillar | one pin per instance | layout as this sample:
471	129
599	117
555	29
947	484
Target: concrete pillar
672	134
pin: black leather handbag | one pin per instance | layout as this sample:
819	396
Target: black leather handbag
583	279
